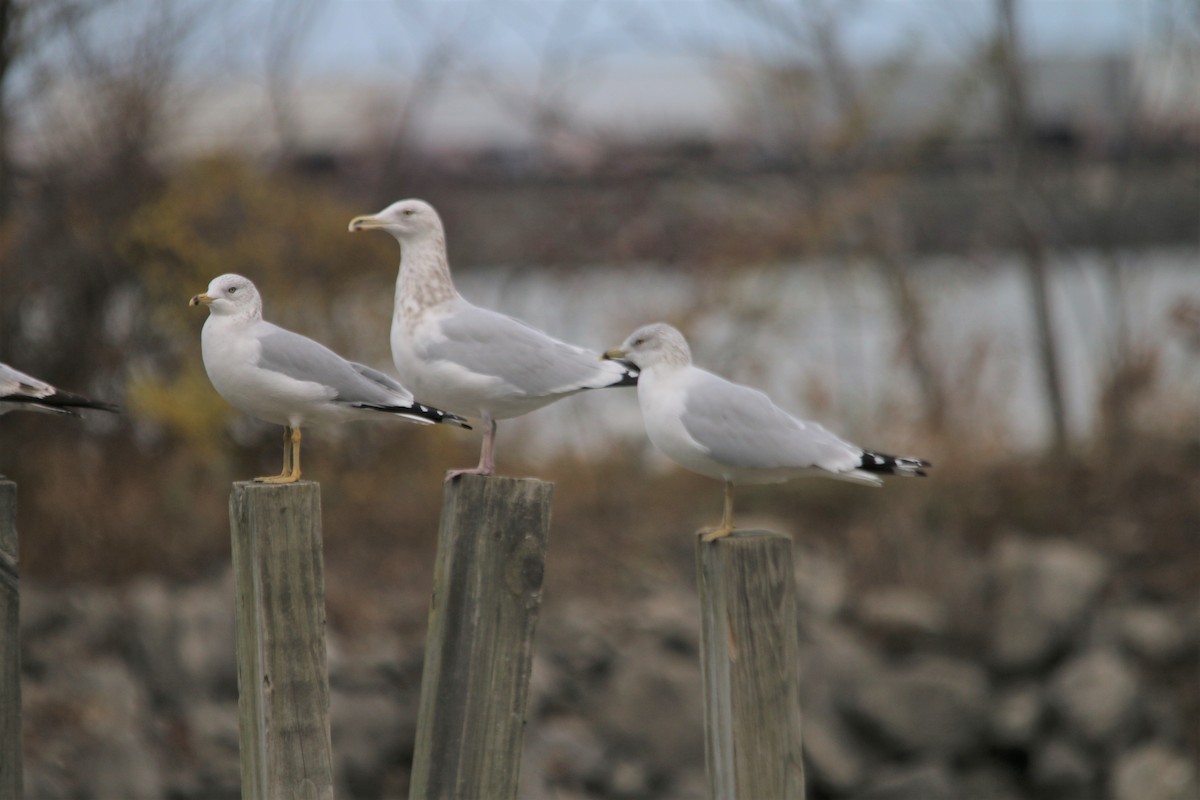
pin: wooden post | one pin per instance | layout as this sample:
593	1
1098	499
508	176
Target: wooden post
487	590
10	648
749	662
283	683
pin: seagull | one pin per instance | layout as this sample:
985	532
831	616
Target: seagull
21	392
467	359
734	433
282	377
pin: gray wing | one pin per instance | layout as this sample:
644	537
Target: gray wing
533	363
386	381
351	383
304	359
741	427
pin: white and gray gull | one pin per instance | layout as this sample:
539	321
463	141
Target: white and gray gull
282	377
467	359
22	392
734	433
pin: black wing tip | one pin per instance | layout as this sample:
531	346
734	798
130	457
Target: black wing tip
884	464
420	411
628	378
62	403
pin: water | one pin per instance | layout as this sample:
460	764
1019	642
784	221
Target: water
823	340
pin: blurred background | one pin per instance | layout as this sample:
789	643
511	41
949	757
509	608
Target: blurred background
963	229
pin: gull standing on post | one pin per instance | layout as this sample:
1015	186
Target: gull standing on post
734	433
21	392
288	379
467	359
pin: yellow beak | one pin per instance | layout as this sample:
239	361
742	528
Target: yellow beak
200	300
613	354
365	222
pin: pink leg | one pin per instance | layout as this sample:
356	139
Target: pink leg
487	462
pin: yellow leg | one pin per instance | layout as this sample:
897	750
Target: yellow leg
291	459
726	526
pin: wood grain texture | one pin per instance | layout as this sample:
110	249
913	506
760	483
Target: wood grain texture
10	648
283	683
487	592
750	667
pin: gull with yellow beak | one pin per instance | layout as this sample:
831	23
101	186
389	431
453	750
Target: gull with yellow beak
734	433
467	359
288	379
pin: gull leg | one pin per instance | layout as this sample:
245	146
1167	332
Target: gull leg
291	459
487	462
726	526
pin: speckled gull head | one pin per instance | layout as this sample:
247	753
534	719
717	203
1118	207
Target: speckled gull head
407	220
231	295
653	346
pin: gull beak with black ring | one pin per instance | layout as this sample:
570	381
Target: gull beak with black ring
616	354
200	300
365	223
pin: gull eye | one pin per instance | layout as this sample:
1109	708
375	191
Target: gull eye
408	212
232	289
639	342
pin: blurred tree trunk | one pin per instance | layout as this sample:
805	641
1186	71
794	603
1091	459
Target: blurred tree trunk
883	228
8	48
1030	238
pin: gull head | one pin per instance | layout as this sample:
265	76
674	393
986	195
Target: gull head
406	220
653	346
230	294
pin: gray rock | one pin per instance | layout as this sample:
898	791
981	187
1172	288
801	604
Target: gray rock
832	760
369	731
1151	633
1097	696
1016	713
107	751
926	782
562	756
214	768
989	782
183	641
900	614
821	583
1154	771
1043	593
652	705
935	706
1060	769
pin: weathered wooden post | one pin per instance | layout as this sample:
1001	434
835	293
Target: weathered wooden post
283	683
487	591
749	662
10	648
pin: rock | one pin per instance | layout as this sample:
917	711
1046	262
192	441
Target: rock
820	581
928	782
1015	715
934	706
831	758
1149	632
900	615
674	618
183	641
369	732
1096	695
652	706
98	745
1062	771
215	767
1043	593
1154	771
562	758
989	782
